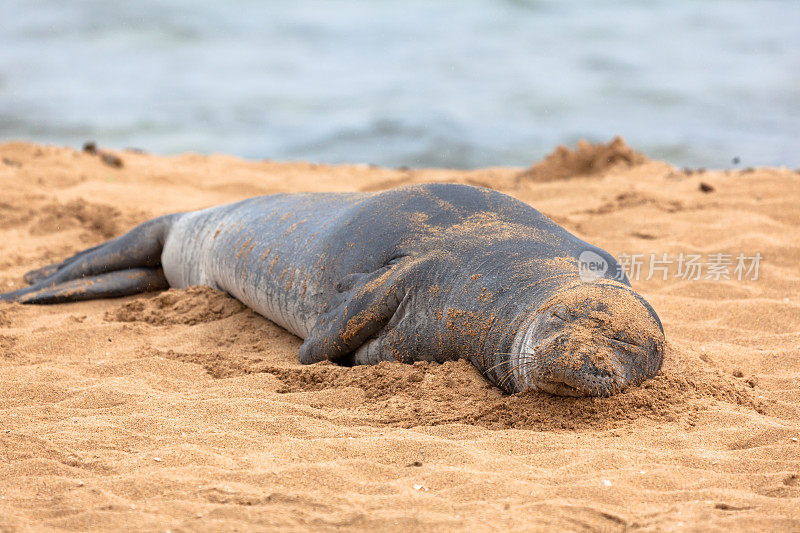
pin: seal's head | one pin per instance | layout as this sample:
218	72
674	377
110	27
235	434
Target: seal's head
591	339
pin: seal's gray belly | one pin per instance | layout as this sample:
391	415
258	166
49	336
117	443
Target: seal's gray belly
266	252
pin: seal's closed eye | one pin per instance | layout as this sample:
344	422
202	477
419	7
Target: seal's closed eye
624	340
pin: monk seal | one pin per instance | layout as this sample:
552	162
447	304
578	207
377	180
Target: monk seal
431	272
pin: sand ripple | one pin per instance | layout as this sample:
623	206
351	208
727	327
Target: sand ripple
184	410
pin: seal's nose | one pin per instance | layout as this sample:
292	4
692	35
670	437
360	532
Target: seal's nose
640	361
589	369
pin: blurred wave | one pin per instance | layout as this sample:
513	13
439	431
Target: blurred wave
465	84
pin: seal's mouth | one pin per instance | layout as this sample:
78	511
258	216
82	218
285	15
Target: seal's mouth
553	370
588	380
558	388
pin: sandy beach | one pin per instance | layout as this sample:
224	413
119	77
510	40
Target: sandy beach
185	411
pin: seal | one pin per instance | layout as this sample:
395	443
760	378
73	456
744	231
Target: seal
432	272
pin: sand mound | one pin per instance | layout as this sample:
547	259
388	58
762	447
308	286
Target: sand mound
425	394
100	220
587	160
178	306
185	411
632	199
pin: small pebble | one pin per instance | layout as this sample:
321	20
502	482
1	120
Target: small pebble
111	160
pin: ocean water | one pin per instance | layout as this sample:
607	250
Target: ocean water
418	83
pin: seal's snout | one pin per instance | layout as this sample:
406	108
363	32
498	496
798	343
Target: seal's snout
591	340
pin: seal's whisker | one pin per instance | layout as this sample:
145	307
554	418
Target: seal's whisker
521	364
509	353
508	374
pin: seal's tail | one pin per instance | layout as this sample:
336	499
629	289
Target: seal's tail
126	265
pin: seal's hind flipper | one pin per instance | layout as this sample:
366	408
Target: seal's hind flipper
39	274
137	251
111	285
141	247
33	276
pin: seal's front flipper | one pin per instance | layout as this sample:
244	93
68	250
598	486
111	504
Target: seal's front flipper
111	285
365	304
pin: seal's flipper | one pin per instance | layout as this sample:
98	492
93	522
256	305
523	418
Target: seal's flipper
365	304
136	252
33	276
139	248
40	273
111	285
